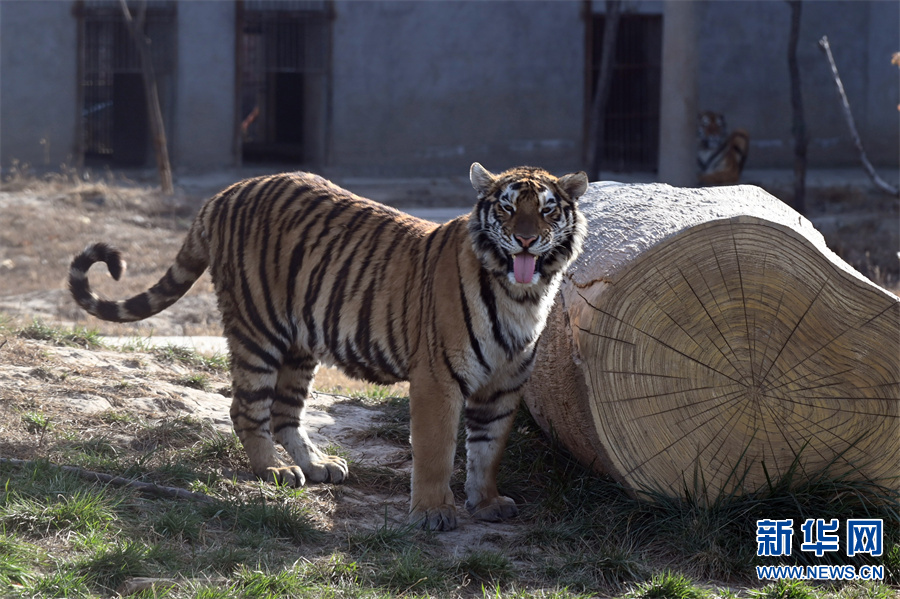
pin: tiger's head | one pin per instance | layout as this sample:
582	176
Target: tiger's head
526	227
711	130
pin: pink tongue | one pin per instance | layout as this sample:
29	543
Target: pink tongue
523	267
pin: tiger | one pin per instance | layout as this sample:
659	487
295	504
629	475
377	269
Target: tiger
720	156
306	272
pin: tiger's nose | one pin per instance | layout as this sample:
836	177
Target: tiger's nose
526	241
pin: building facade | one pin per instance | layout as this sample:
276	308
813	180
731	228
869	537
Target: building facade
419	88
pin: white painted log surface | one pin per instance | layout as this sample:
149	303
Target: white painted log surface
708	336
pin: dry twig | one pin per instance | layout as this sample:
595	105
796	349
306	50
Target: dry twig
845	104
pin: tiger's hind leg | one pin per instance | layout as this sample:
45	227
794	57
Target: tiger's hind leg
291	390
253	393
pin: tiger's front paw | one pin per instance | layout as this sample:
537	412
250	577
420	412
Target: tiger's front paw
329	469
441	517
494	509
290	476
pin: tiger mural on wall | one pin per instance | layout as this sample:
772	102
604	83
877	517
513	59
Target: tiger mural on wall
720	155
307	272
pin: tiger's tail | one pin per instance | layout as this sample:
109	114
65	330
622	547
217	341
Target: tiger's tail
192	260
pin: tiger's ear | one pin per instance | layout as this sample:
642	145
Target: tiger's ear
481	179
574	184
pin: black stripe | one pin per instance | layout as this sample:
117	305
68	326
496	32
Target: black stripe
317	276
290	400
296	264
242	364
289	424
80	290
253	348
493	397
286	203
247	396
139	305
463	386
300	361
337	297
473	418
490	303
467	318
82	262
108	311
428	277
480	439
392	346
376	354
369	253
276	320
356	367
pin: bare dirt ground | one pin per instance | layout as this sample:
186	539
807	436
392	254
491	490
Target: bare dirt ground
44	223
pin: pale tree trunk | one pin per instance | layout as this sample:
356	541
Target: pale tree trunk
601	92
707	338
151	93
799	127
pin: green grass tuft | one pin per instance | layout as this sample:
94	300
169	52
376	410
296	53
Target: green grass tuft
198	381
190	357
486	567
411	571
14	565
110	566
668	585
85	511
785	589
280	520
254	584
62	584
75	337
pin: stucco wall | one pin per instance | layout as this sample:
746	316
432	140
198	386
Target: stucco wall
38	108
205	113
205	104
425	88
433	86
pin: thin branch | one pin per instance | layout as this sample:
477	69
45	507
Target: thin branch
151	94
845	104
119	481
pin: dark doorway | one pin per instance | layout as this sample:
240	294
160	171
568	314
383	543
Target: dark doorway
283	80
631	136
114	128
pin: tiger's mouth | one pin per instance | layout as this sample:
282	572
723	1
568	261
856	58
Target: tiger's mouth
524	268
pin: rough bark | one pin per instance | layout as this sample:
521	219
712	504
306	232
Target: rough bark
709	337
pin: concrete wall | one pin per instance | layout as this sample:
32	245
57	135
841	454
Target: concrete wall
38	107
429	87
425	88
203	134
744	74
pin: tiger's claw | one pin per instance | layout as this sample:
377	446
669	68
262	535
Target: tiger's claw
442	517
494	510
290	476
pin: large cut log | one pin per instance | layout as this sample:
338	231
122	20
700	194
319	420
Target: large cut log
709	337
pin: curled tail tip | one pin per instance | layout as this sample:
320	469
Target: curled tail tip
98	252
